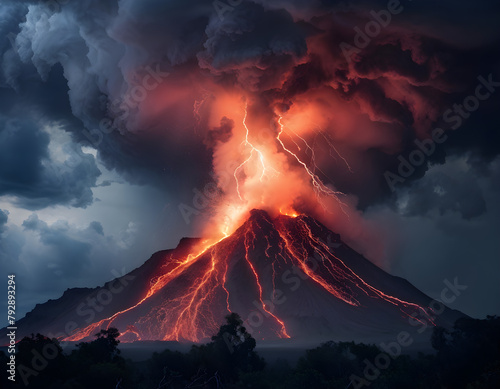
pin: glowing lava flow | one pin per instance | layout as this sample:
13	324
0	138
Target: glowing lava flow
249	232
189	295
187	314
340	273
178	267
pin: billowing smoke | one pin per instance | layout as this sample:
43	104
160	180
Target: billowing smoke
290	106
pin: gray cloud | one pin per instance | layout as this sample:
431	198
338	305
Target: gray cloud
48	258
446	188
439	242
97	227
242	44
29	172
4	216
71	255
92	53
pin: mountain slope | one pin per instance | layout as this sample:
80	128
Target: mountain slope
286	277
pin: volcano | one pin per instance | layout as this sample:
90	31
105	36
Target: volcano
287	277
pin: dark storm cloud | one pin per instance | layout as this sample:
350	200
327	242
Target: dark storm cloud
10	247
71	62
446	189
33	97
22	151
11	14
244	35
221	133
382	108
63	65
71	255
97	227
49	258
378	60
437	241
438	72
28	172
34	224
4	216
170	31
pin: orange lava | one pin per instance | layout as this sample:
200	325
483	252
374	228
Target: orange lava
188	299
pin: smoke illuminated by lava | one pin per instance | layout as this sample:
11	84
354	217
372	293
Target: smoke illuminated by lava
268	175
287	120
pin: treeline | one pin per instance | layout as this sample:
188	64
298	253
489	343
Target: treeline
467	356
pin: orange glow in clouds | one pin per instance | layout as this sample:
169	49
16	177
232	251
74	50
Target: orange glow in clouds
266	163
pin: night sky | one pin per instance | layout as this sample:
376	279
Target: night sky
115	116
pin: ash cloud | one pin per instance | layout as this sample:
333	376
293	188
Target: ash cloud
221	133
28	172
280	50
4	216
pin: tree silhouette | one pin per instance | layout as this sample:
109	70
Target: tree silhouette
103	349
40	362
99	362
470	352
230	352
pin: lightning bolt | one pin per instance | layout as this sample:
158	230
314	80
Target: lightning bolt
328	140
253	149
319	187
